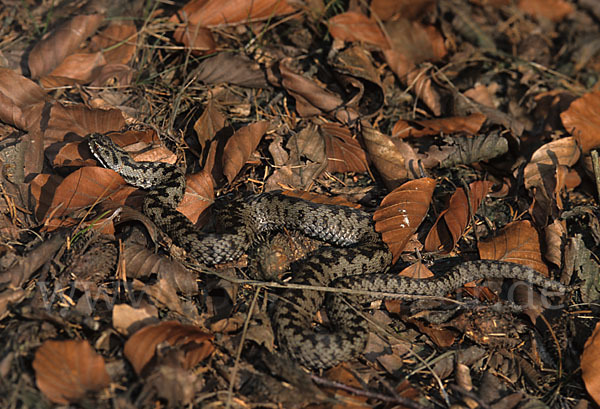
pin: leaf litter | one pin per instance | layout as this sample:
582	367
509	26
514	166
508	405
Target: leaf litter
468	128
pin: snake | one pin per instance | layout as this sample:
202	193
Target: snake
355	258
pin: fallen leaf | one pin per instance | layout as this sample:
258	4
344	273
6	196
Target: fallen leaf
386	157
344	153
590	365
581	120
540	172
240	146
21	100
555	10
468	124
402	211
62	42
117	42
518	242
452	222
66	371
141	346
355	26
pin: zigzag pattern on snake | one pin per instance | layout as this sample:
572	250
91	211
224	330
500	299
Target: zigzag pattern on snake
357	258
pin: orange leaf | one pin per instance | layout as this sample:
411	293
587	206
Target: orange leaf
402	211
66	371
590	364
240	146
209	13
469	124
141	346
518	242
555	10
355	26
581	120
451	223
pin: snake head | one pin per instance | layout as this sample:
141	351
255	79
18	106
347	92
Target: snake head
104	150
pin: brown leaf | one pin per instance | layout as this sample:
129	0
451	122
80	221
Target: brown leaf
355	26
233	69
66	371
74	69
311	98
344	153
555	235
141	346
227	12
80	120
199	14
84	187
402	211
590	365
51	51
240	146
555	10
117	42
412	44
21	100
452	222
420	81
388	160
125	317
468	124
581	120
412	10
210	122
540	172
517	242
199	195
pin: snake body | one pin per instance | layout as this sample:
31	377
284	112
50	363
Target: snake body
357	258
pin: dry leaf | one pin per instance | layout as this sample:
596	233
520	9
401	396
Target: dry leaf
52	50
468	124
141	346
355	26
344	153
517	242
452	222
66	371
555	10
386	157
210	122
411	44
590	365
401	212
117	42
81	188
77	68
581	120
240	146
21	100
80	120
540	172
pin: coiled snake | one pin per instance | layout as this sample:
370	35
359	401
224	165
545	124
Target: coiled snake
356	259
